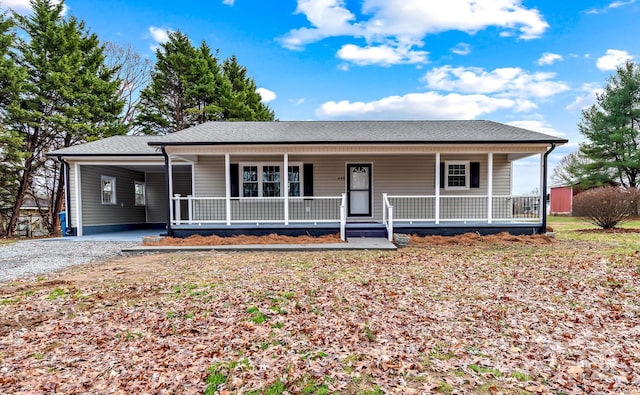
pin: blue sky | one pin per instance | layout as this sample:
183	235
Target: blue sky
529	63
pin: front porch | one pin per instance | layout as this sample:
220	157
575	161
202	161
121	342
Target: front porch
317	215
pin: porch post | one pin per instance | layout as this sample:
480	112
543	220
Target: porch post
78	175
286	188
489	187
227	188
543	185
170	188
437	189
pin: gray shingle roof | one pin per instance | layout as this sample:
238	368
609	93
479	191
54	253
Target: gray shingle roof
308	132
116	145
319	132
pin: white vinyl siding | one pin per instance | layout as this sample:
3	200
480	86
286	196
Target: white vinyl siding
395	174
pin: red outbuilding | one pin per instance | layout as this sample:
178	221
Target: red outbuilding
561	199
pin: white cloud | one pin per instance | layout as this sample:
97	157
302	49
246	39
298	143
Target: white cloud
415	18
461	49
328	18
428	105
548	58
24	6
397	26
228	2
503	82
266	95
618	4
537	126
612	5
159	34
587	98
384	55
612	59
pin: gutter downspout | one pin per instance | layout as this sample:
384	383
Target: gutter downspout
167	181
543	229
67	194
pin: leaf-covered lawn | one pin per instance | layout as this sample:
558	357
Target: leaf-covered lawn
485	318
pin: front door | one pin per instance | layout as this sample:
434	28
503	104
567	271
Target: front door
359	190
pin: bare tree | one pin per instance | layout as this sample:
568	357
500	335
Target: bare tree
134	72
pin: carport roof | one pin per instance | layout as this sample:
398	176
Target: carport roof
113	146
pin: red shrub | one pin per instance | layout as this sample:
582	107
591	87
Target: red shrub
606	207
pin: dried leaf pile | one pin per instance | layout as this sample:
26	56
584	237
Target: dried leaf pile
198	240
505	318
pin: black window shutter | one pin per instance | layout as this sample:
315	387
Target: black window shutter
442	174
475	174
307	169
234	176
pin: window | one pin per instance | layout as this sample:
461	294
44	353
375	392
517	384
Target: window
294	181
456	175
250	181
108	185
270	181
140	193
265	179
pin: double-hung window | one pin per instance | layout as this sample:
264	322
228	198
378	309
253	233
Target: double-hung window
456	175
108	189
140	193
266	179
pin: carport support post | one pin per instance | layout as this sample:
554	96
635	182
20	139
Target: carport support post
437	189
227	188
169	182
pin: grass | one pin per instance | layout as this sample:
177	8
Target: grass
573	229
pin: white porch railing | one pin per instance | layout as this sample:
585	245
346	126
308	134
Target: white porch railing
461	208
193	210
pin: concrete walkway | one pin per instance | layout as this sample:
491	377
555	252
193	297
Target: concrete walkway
358	243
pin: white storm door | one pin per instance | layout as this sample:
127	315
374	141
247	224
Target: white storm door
359	189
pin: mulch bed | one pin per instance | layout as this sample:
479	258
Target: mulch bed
475	238
610	231
197	240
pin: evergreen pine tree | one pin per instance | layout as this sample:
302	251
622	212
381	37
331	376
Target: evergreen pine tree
68	95
189	87
612	130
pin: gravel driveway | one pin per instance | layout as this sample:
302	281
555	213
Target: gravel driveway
34	257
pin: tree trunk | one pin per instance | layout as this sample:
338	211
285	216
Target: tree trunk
58	200
2	231
25	181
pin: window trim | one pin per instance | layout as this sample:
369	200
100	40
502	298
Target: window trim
113	200
260	166
467	175
144	193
